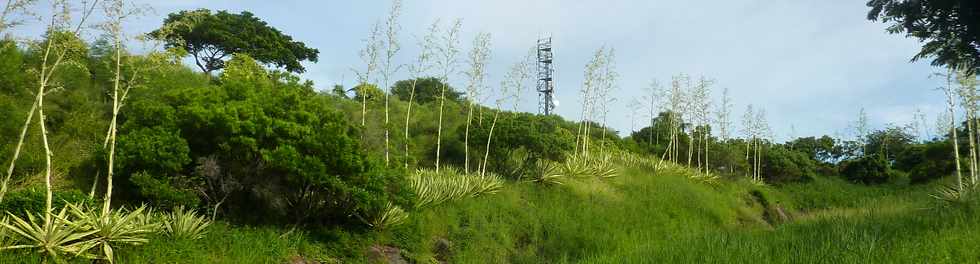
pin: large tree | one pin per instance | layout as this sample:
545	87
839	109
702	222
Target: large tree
949	28
213	37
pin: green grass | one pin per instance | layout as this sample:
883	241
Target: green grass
639	217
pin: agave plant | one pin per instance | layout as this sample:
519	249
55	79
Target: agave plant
114	227
950	195
488	183
603	167
5	239
390	216
576	166
546	172
450	184
55	236
185	224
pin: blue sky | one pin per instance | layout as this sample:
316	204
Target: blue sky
811	64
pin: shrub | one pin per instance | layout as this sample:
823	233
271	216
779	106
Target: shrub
162	192
541	137
780	165
274	146
32	200
426	90
870	169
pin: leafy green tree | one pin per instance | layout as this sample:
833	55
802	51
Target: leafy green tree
212	37
949	28
822	149
368	93
426	90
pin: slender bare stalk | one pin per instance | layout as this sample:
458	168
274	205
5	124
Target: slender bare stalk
477	74
950	92
423	63
449	51
391	49
369	55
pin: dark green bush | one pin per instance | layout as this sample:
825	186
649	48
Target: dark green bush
33	199
780	165
262	142
870	169
540	136
162	193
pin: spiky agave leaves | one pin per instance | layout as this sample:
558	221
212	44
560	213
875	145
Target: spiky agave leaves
55	238
603	167
5	239
547	172
575	166
390	216
950	195
185	224
114	227
451	184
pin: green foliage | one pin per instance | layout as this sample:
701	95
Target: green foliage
391	215
822	149
32	200
185	224
450	184
277	147
54	239
370	92
211	37
540	136
161	192
949	29
780	165
113	228
871	169
926	162
426	90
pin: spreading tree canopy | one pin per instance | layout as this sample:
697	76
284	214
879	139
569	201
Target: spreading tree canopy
212	37
949	28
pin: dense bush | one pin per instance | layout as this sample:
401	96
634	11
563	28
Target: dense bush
926	162
426	90
540	136
780	164
33	199
870	169
261	142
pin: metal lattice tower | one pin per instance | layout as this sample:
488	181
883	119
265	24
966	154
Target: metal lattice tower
546	81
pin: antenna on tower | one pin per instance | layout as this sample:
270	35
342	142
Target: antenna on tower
546	72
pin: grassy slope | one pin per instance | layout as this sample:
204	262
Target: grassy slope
639	217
